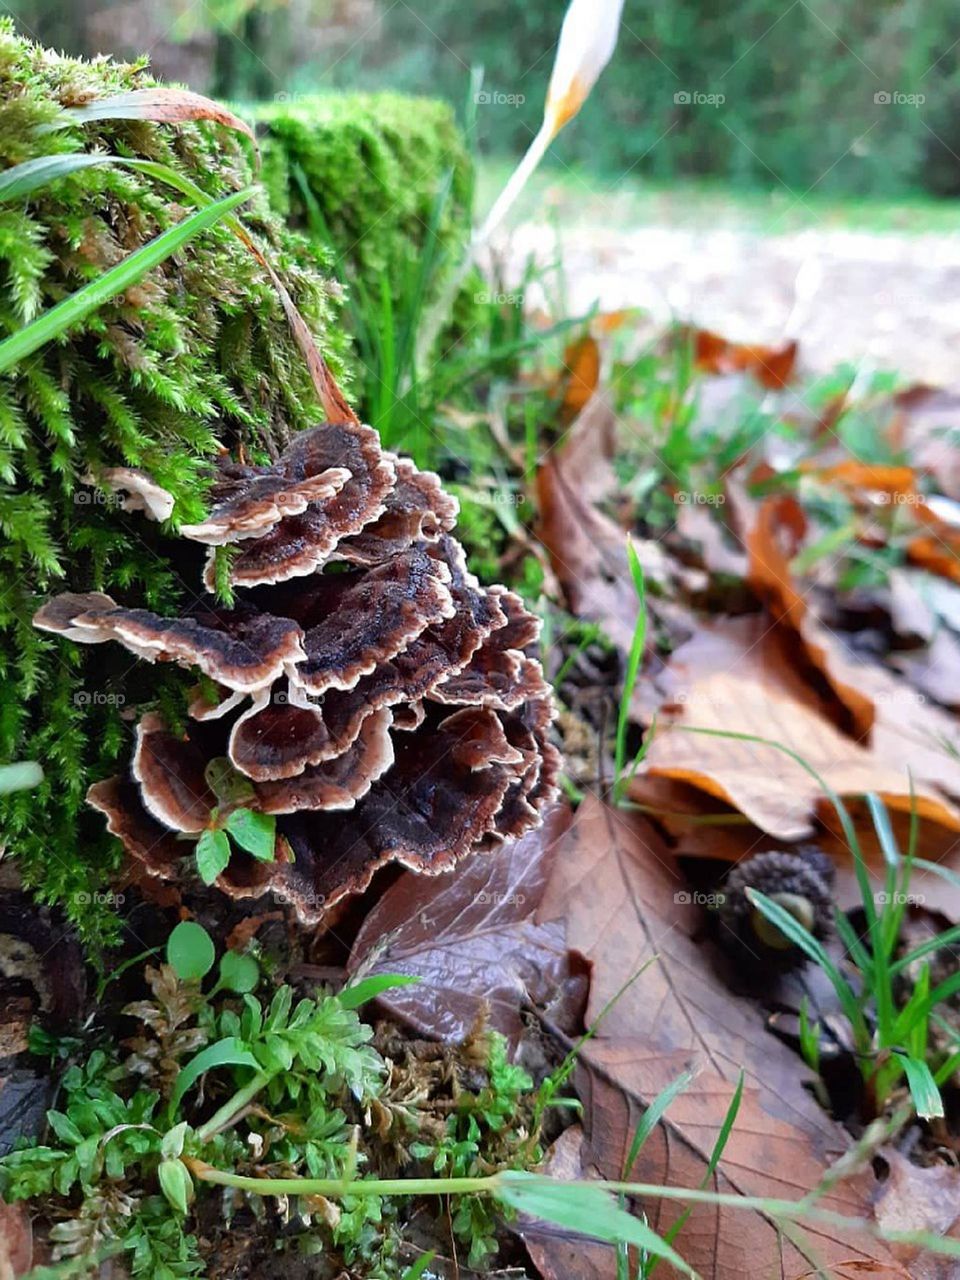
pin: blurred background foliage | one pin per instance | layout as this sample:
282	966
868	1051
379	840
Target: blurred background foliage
804	85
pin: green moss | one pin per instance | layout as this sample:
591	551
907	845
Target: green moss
196	356
373	166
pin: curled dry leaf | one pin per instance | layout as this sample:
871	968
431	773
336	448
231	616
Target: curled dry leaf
160	105
773	367
615	887
740	675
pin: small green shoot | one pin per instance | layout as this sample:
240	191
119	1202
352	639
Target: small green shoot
623	775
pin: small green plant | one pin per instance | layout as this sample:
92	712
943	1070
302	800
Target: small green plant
624	772
270	1097
890	1030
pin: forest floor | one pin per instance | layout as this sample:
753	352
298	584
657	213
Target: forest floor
870	283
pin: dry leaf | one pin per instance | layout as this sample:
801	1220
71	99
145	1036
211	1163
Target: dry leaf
16	1241
160	105
912	1198
779	519
772	367
471	940
581	378
740	675
615	886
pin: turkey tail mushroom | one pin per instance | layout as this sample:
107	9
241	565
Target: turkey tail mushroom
369	694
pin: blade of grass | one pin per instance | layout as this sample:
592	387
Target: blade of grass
923	1088
814	950
632	671
723	1137
54	323
585	1210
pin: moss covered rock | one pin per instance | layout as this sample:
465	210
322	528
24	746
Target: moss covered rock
195	357
368	173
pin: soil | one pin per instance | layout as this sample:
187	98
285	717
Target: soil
889	300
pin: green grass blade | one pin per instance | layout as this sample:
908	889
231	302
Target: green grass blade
633	669
654	1114
723	1137
420	1266
23	179
923	1088
813	950
945	939
584	1210
947	1069
911	1011
855	948
54	323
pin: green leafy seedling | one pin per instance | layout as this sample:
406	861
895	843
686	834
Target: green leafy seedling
190	951
239	973
213	854
254	832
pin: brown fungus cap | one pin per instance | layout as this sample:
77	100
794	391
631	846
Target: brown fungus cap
376	700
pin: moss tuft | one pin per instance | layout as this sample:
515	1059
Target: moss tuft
195	357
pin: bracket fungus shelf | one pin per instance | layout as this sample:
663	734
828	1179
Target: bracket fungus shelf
364	687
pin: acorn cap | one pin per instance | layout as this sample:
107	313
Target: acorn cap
800	881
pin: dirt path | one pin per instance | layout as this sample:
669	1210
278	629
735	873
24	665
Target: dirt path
888	299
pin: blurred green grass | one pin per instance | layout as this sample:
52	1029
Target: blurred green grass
577	197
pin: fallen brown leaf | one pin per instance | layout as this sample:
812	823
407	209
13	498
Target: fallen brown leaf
772	367
471	939
740	675
581	377
912	1198
16	1241
616	888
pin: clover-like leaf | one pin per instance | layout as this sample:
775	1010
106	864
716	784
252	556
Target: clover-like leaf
213	854
254	832
190	951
